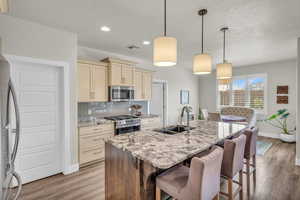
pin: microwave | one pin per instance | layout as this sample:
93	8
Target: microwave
121	93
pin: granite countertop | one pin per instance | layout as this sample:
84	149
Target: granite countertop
146	116
94	122
164	151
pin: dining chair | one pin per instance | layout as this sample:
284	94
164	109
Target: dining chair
232	165
199	182
250	153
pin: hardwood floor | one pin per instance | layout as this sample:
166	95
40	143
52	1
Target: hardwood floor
277	179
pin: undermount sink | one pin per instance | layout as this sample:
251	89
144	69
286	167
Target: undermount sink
171	130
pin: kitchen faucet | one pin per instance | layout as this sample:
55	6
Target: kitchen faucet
188	110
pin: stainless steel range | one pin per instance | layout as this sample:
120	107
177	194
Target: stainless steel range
125	123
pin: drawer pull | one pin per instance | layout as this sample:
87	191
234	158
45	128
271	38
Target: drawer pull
99	139
98	152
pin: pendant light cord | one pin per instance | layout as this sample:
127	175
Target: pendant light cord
165	19
202	34
224	31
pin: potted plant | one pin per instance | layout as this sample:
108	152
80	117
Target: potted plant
279	120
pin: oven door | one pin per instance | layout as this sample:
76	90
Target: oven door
121	93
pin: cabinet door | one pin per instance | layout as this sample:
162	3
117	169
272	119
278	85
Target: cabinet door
84	82
100	83
116	74
147	85
127	75
138	85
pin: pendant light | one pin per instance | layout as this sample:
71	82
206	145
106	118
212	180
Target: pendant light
224	70
202	62
164	47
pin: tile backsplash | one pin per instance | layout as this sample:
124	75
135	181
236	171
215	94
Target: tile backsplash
101	109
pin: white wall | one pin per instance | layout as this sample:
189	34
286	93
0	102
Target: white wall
178	78
24	38
279	73
298	106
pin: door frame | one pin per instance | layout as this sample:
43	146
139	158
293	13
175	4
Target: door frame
67	166
165	99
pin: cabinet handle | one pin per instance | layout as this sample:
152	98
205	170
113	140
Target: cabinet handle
98	152
99	139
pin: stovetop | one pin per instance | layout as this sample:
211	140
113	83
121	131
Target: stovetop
120	117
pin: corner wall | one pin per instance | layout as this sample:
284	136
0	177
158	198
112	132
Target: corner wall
25	38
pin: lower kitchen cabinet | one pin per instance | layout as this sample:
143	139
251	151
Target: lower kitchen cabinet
91	142
150	123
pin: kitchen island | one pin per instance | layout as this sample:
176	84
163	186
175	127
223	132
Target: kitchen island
133	160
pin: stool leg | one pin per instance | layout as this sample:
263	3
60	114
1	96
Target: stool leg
158	193
230	189
217	197
254	172
248	176
241	182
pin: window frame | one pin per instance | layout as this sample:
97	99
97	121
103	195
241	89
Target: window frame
247	77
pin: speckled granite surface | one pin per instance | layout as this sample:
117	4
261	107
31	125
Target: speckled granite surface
164	151
94	123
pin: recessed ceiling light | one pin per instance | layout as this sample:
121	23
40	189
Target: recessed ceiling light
146	42
105	28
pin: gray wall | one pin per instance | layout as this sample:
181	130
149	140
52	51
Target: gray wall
279	73
24	38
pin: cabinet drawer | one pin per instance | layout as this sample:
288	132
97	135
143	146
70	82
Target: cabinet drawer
90	155
105	128
89	141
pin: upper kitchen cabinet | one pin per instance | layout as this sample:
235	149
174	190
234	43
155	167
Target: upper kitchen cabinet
143	84
120	72
3	6
92	81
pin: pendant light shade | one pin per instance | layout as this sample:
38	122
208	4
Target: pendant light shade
202	62
165	51
224	70
165	47
224	81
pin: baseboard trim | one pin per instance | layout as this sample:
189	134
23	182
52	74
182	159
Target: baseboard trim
297	162
269	135
71	169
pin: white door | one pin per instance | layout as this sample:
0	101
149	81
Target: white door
157	102
40	103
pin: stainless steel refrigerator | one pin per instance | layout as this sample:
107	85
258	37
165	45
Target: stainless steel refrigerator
10	133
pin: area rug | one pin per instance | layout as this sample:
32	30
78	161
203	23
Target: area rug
262	147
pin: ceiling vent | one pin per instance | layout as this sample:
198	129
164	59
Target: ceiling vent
133	47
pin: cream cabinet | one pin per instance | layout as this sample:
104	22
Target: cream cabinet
91	142
3	6
143	85
120	72
92	82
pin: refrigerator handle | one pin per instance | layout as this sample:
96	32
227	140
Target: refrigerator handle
18	178
12	90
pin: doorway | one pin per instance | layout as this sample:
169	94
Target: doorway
158	103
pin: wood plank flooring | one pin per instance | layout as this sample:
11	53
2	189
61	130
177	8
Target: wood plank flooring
277	179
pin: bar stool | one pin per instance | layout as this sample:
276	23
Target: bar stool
232	165
199	182
250	153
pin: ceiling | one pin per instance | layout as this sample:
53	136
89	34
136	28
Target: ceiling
260	30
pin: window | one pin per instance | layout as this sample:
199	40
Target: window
245	91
